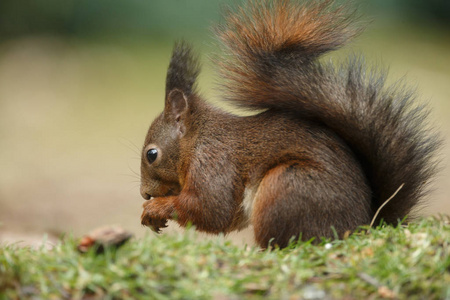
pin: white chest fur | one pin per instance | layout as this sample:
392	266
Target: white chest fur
248	201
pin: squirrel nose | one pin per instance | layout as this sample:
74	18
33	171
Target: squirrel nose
145	195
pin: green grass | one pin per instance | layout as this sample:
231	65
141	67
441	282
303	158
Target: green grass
405	262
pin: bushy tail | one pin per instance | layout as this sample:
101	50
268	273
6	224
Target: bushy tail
274	47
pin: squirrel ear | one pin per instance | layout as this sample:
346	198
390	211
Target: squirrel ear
176	103
177	108
180	85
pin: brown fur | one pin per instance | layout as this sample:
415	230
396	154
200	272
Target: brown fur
325	152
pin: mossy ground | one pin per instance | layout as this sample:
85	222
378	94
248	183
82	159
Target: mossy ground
403	262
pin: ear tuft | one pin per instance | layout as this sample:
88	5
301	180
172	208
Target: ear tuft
183	70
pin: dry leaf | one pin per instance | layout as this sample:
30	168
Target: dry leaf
385	292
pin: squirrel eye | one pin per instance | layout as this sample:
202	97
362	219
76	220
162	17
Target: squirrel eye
152	154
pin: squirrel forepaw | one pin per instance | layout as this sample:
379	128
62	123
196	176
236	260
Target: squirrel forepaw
153	224
154	215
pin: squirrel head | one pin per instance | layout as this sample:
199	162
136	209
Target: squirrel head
161	158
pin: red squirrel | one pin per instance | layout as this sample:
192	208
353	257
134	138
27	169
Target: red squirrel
325	147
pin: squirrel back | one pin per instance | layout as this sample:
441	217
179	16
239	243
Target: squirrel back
275	47
326	148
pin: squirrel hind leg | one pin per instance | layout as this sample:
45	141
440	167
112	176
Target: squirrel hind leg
295	200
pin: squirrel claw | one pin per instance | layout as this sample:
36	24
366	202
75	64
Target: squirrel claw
154	224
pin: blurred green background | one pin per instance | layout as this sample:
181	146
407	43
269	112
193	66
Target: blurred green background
80	81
